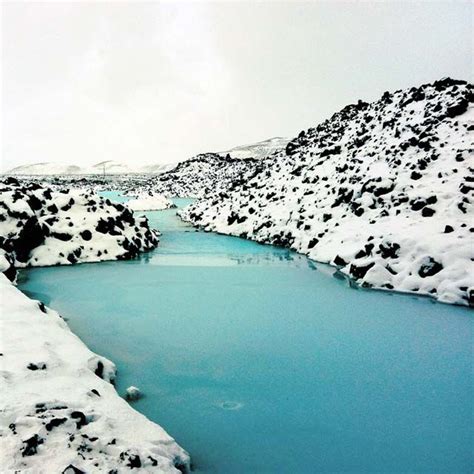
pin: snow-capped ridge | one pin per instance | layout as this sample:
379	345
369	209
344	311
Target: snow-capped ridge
257	150
107	167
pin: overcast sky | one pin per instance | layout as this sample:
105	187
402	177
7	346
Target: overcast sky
161	82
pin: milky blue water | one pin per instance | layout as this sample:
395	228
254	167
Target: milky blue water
257	360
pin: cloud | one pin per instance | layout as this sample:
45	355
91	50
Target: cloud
138	88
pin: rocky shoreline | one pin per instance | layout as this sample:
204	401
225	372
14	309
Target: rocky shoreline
383	191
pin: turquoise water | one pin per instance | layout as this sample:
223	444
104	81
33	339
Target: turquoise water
257	360
115	196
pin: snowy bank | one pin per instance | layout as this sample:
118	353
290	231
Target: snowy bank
40	226
59	408
149	202
383	191
60	411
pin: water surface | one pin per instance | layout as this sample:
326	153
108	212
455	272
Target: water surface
257	360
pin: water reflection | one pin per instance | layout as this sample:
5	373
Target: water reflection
226	259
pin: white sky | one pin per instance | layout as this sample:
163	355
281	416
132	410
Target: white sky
160	82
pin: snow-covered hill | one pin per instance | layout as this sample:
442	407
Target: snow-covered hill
45	169
383	190
39	226
156	168
200	175
257	150
109	167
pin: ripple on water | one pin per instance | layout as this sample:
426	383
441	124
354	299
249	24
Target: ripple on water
230	405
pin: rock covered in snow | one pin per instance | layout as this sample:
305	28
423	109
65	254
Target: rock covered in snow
133	393
382	190
60	410
7	265
149	201
39	226
201	175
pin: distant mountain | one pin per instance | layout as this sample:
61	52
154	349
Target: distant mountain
257	150
111	167
157	168
107	167
44	169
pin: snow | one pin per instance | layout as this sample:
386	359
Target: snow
194	177
110	167
380	190
39	226
59	407
149	202
199	176
133	393
257	150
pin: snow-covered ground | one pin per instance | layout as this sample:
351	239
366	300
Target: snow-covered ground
148	202
383	191
39	226
197	176
60	412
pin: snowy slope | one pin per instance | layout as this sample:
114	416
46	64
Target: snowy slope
382	190
257	150
60	412
200	175
39	226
